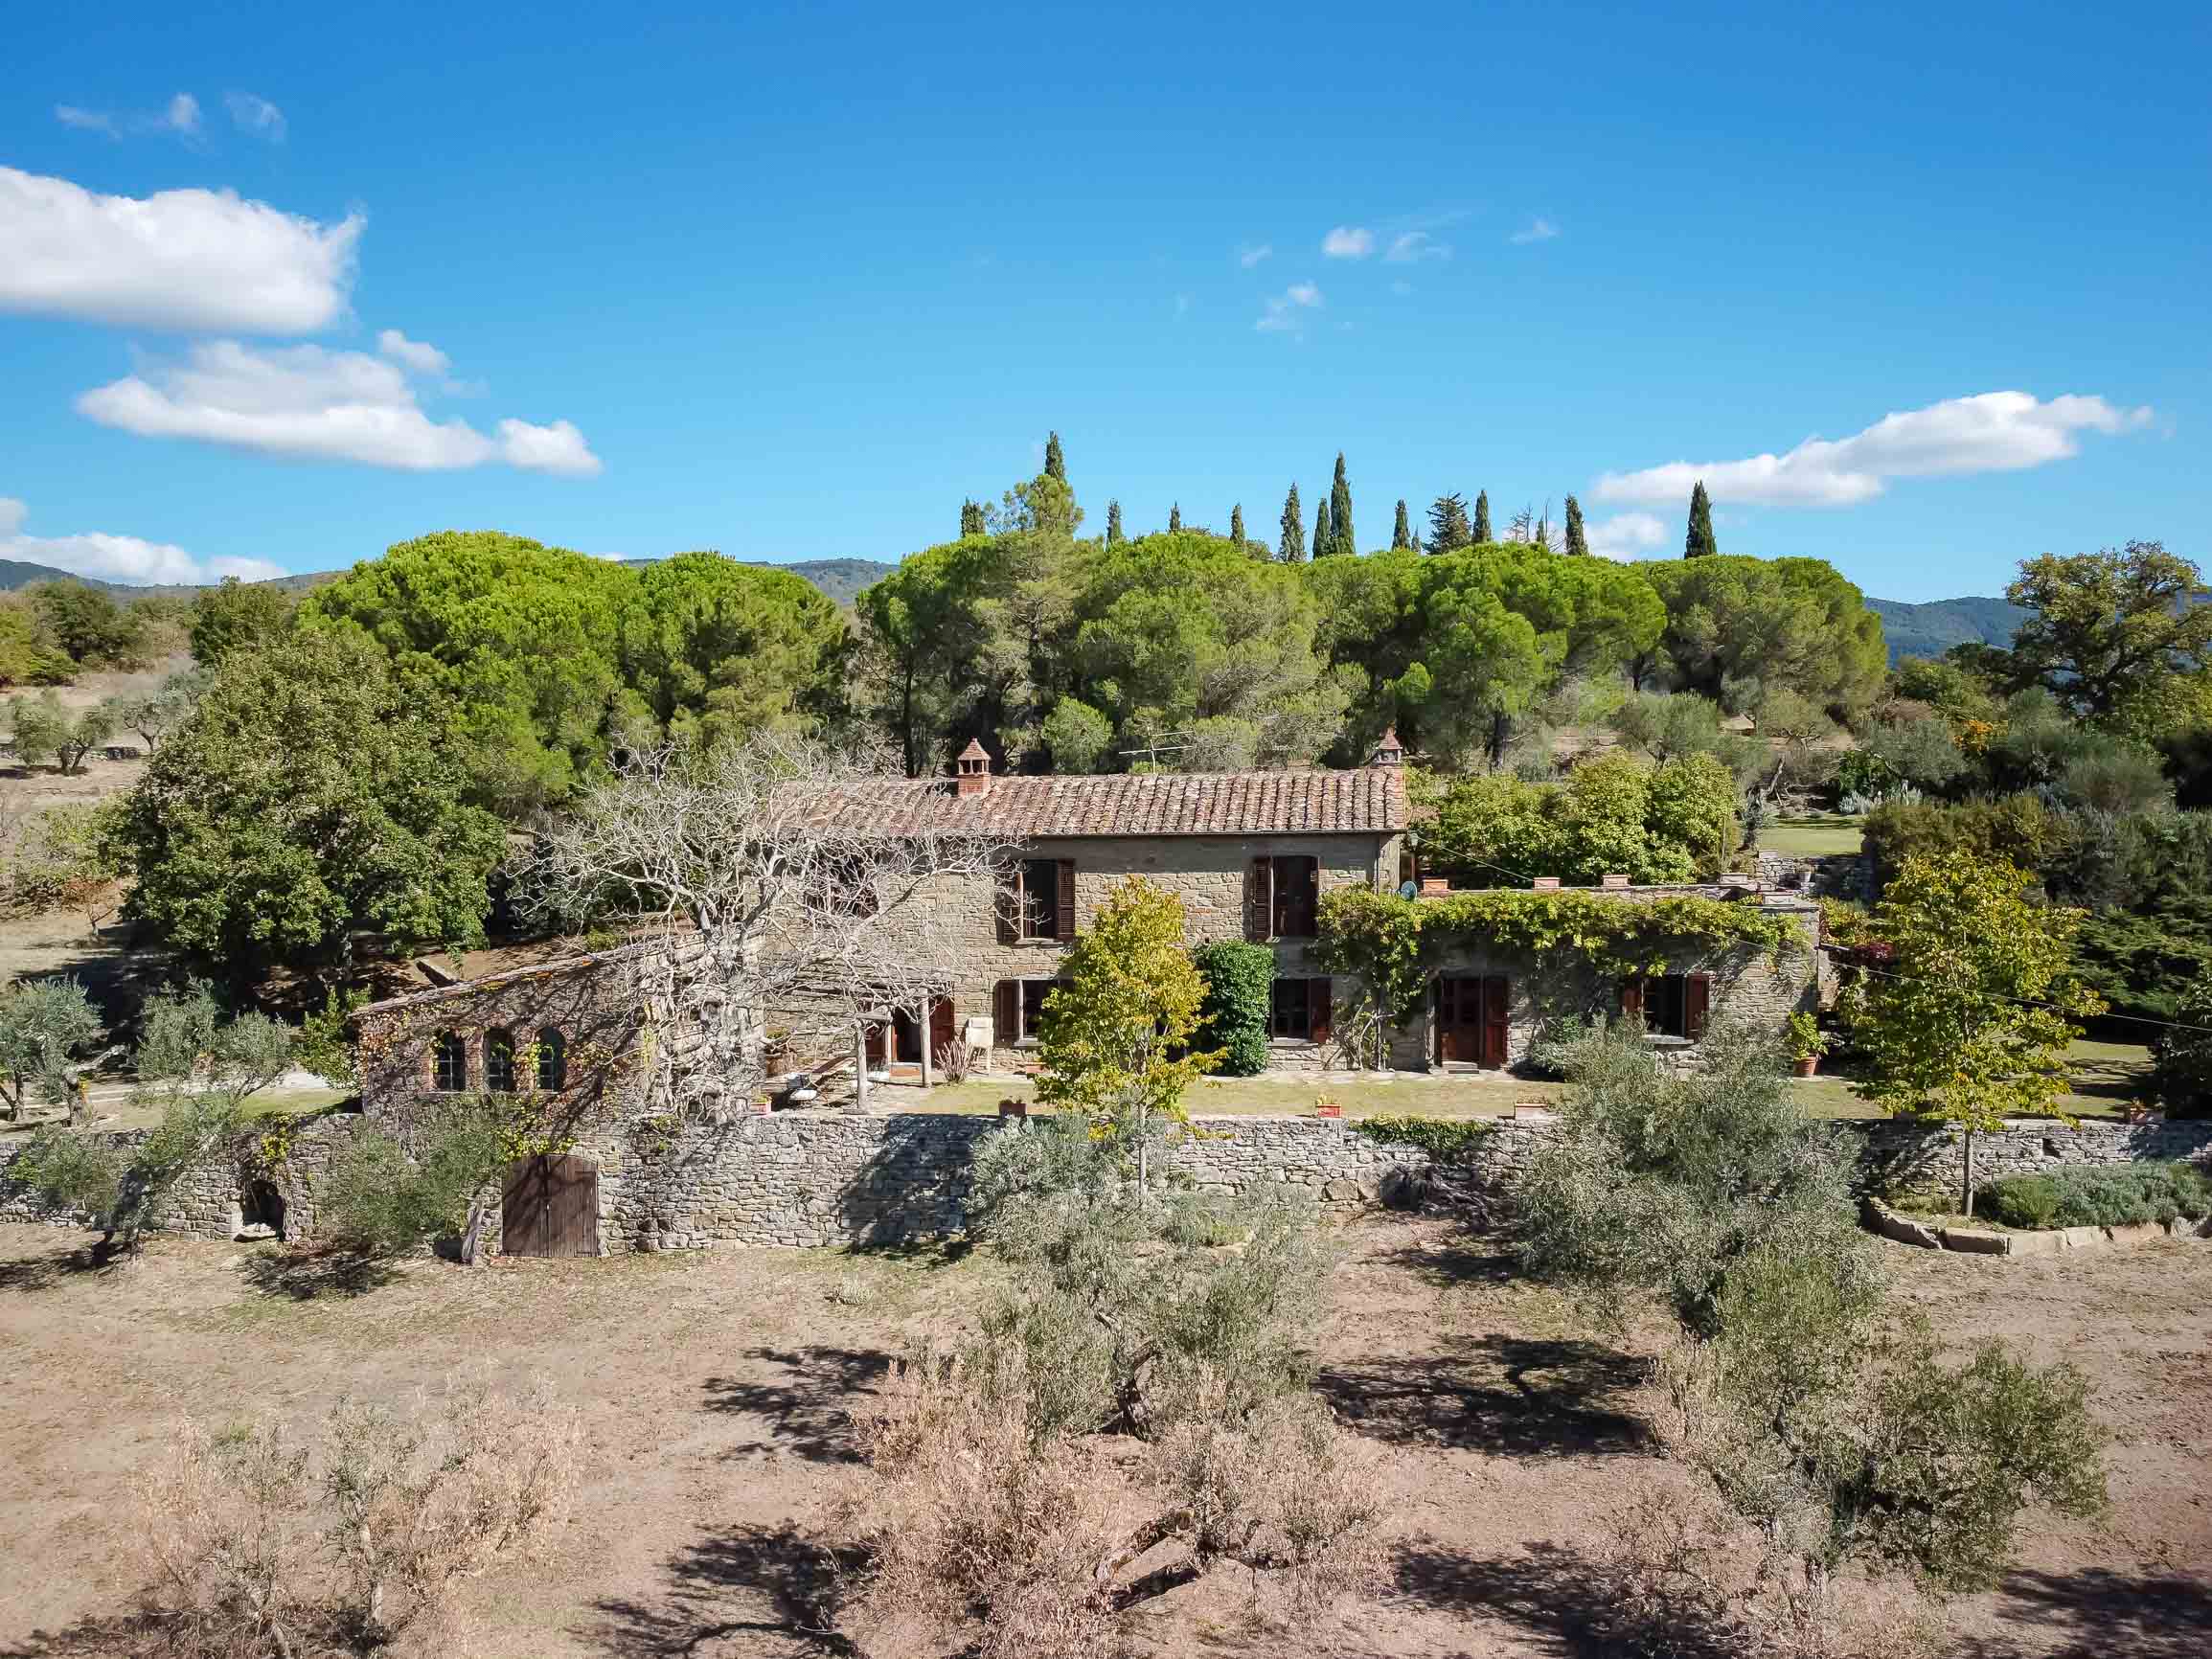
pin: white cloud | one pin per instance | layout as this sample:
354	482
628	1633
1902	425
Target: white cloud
178	259
1347	243
182	117
419	356
124	559
1281	310
254	115
1414	246
1626	536
87	120
1992	432
1249	255
310	403
1536	230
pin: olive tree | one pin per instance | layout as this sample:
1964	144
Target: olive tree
44	1025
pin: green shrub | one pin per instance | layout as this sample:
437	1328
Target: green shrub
1240	984
1443	1139
2117	1196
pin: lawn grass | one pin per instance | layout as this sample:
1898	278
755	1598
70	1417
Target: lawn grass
1812	837
2107	1076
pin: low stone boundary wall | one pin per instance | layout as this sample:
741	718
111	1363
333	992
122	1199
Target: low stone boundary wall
1879	1219
826	1178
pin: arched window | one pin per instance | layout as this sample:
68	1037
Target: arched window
552	1061
449	1064
500	1061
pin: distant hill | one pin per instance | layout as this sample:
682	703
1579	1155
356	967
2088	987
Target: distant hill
1928	630
840	579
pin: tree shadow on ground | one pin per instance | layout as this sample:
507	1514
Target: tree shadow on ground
1500	1393
1476	1260
117	1636
761	1581
34	1273
2097	1612
306	1275
807	1409
1573	1601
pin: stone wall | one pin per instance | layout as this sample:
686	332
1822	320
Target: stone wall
822	1178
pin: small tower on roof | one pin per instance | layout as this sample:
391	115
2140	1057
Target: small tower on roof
1389	752
975	768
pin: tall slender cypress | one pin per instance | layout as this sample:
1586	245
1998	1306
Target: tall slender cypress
1340	511
1176	515
971	520
1113	522
1324	533
1055	463
1482	518
1699	540
1401	532
1236	526
1578	542
1291	549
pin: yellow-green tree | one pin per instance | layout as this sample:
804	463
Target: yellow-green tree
1117	1034
1970	1019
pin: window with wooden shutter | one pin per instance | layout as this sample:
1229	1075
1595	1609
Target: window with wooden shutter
1006	907
1260	902
1006	1011
1064	907
1632	999
1697	1005
1297	892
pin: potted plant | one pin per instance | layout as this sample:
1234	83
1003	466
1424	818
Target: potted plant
1807	1041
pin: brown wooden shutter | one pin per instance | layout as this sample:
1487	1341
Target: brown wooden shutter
1006	1011
1696	1003
1260	902
1496	1010
1632	999
1317	1009
1063	917
940	1026
1006	906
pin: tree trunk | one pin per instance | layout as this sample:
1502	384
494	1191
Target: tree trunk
472	1235
1966	1192
860	1067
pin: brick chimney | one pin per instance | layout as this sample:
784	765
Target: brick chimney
1389	752
974	765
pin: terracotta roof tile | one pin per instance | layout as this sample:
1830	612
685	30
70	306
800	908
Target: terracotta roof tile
1368	800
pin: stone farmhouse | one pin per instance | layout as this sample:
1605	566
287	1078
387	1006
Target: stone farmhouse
1252	854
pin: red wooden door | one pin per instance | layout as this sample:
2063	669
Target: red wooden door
550	1208
939	1027
1471	1020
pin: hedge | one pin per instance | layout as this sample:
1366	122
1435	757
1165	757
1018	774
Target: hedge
1240	988
2114	1196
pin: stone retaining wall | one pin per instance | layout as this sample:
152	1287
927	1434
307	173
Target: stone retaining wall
824	1178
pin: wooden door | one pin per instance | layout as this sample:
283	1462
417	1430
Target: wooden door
939	1027
550	1208
1471	1020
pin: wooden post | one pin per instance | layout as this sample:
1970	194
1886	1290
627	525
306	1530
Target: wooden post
922	1023
860	1066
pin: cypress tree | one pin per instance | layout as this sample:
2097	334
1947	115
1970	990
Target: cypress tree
1291	550
1447	527
1578	542
1324	533
971	520
1481	531
1175	517
1055	463
1340	511
1401	532
1113	522
1236	526
1699	540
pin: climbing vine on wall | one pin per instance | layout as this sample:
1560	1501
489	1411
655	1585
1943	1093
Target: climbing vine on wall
1395	944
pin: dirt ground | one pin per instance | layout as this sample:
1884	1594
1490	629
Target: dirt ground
713	1388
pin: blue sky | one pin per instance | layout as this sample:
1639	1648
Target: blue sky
792	283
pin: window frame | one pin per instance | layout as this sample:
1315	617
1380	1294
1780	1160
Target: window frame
552	1061
449	1044
1287	1009
1295	901
1026	904
499	1052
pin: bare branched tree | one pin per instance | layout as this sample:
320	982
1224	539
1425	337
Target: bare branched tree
778	885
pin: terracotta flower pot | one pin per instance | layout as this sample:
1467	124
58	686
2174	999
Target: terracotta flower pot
1809	1066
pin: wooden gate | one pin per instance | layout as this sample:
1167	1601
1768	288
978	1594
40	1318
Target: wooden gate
551	1208
1471	1014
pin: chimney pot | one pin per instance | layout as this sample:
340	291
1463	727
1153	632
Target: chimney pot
975	768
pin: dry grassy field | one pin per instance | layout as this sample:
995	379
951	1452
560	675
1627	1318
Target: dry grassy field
713	1388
